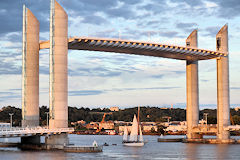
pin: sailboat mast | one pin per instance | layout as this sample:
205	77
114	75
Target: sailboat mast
138	120
138	114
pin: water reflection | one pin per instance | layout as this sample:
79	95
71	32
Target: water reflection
222	151
191	151
37	155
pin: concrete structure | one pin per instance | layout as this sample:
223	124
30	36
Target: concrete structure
138	48
223	110
30	69
30	74
58	67
59	45
58	96
192	89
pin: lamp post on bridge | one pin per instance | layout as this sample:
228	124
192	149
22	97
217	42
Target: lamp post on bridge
11	114
47	117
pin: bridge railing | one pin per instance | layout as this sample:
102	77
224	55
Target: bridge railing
32	130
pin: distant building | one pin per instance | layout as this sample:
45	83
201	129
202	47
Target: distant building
92	125
106	125
114	109
164	108
202	122
237	108
146	126
149	128
177	126
121	128
82	122
148	123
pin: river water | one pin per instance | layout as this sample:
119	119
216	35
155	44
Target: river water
151	150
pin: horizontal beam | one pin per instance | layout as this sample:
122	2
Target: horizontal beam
138	48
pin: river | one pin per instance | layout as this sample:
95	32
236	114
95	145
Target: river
151	150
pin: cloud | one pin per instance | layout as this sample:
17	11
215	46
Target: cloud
169	34
227	9
211	31
187	27
154	8
158	76
97	20
85	93
124	11
191	3
10	94
204	80
9	68
97	71
98	92
235	88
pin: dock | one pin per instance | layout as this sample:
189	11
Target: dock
83	149
42	146
170	139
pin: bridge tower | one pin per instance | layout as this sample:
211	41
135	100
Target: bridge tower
223	111
58	96
192	89
30	73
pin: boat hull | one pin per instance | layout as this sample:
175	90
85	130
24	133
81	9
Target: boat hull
134	144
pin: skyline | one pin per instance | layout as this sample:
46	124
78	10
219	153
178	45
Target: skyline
116	79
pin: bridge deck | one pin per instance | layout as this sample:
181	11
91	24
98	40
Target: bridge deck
26	132
138	48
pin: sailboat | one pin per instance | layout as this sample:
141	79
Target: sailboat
136	137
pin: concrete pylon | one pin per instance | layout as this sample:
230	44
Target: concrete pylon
58	67
192	89
30	74
30	69
58	95
223	111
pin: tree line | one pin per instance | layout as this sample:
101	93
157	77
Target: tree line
147	114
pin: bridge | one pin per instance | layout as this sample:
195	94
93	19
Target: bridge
58	46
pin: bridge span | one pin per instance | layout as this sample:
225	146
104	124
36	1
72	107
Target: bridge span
138	48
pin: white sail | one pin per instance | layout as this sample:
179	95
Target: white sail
134	130
125	135
141	136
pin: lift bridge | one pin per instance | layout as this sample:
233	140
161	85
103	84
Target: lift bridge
59	44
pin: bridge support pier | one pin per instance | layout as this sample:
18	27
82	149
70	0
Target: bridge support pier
58	100
223	110
31	140
58	140
192	90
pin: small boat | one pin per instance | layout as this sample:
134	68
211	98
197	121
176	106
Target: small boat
136	137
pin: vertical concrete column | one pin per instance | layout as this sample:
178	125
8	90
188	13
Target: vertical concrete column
192	89
30	69
223	111
58	67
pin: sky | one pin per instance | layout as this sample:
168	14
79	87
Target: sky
101	79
